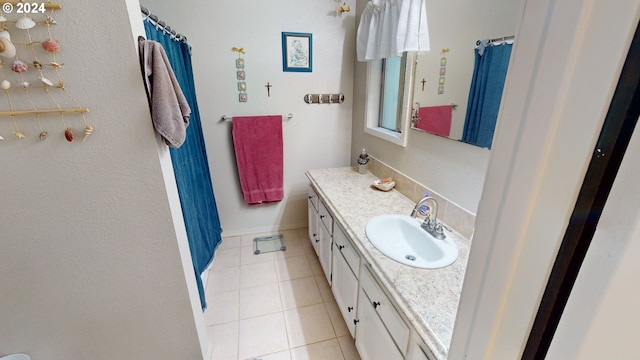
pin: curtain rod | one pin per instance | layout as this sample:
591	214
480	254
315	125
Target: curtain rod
154	19
504	38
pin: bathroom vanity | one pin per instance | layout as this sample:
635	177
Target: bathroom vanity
393	311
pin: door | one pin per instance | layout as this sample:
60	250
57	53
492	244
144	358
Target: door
313	225
344	288
324	251
373	341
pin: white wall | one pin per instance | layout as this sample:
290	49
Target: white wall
601	316
318	136
452	169
90	266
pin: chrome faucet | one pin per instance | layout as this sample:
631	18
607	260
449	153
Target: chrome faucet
430	223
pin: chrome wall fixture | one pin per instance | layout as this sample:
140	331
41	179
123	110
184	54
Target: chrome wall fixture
230	118
324	98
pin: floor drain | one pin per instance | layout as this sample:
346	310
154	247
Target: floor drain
410	257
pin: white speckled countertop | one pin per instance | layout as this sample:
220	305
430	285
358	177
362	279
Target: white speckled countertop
427	298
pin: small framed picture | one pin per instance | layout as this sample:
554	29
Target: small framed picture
240	63
443	71
297	52
242	86
242	97
441	80
440	89
240	75
443	61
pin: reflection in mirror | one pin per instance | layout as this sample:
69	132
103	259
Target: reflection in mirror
444	75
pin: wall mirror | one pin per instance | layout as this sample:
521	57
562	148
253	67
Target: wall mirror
443	75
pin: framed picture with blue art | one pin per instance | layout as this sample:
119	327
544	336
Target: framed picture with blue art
297	52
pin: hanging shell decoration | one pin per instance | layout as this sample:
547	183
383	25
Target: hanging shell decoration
55	64
25	84
19	135
2	18
5	35
1	138
68	134
50	20
88	129
46	81
5	85
51	46
37	65
25	23
7	49
43	135
19	66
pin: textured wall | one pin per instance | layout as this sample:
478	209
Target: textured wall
90	266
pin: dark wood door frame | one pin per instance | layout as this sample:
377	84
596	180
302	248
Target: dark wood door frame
613	140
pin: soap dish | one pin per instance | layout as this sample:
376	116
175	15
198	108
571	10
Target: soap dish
384	185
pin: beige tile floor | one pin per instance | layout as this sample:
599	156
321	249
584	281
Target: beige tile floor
273	306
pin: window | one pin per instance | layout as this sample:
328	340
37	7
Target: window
389	91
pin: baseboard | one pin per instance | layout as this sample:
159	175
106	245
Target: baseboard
209	355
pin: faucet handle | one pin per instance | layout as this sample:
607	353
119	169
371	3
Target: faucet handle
438	232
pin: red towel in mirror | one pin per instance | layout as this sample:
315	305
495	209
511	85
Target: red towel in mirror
435	120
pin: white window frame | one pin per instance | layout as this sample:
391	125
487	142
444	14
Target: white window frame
372	107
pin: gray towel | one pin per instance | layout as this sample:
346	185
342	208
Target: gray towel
169	108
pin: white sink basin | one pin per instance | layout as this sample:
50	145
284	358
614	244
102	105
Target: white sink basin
401	238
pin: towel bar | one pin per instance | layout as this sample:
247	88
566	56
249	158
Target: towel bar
229	118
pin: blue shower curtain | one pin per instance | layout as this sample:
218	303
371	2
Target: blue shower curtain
191	166
489	73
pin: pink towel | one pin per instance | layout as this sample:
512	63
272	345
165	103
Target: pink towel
258	145
435	119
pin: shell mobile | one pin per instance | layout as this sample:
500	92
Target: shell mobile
35	86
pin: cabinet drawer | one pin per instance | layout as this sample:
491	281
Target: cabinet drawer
325	217
313	198
385	309
345	247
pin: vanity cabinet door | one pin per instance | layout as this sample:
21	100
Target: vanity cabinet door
312	211
372	339
345	288
381	333
324	250
417	353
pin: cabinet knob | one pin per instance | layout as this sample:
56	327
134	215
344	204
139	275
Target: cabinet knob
355	321
376	304
314	235
310	197
340	247
349	308
317	240
321	216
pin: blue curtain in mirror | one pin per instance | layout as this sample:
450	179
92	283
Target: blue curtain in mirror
489	73
191	166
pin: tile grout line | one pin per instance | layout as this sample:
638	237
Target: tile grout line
279	282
